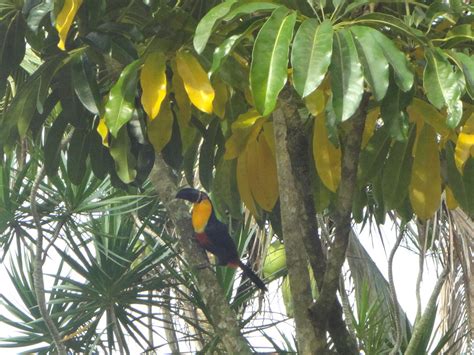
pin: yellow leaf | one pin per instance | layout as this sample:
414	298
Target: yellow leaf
315	102
262	173
153	82
370	122
243	184
268	134
103	132
451	202
182	100
221	98
464	144
159	130
245	124
326	156
422	111
64	20
425	183
196	82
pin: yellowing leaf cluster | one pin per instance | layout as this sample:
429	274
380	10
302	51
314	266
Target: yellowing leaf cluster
64	20
425	183
153	82
327	157
196	82
465	144
252	144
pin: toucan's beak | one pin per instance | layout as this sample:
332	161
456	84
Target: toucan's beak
189	194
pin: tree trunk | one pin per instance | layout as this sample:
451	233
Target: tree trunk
223	317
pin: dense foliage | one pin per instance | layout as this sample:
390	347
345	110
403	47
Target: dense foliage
105	86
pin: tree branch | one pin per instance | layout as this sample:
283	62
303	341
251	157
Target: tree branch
223	317
298	150
342	218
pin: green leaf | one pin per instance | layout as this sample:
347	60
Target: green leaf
207	23
468	179
223	50
403	75
85	85
373	156
12	48
52	146
393	111
269	68
383	20
77	155
442	87
99	156
224	187
121	103
397	172
207	154
466	64
311	55
374	63
347	82
249	8
124	160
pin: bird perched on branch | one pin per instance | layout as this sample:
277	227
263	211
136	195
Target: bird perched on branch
213	235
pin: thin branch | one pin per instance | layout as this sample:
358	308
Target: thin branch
116	328
393	294
170	330
422	232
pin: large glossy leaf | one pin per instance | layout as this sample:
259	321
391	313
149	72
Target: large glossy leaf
425	112
196	81
125	162
153	82
327	157
403	75
52	146
159	130
347	82
243	183
373	156
249	8
208	22
99	156
77	155
224	186
262	171
311	55
397	172
466	64
223	50
374	63
382	20
121	101
393	111
269	68
85	84
425	183
64	20
442	86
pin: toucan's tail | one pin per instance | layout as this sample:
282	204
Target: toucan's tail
248	272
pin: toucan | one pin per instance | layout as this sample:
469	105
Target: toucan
213	235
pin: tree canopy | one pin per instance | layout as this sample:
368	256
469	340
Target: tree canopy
300	118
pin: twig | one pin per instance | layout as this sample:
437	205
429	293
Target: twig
393	294
170	330
422	231
118	333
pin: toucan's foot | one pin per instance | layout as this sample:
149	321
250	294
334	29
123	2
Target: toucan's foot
202	266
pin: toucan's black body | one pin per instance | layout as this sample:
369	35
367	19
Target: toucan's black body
213	235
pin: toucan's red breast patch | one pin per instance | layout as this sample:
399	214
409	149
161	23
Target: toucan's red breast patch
202	239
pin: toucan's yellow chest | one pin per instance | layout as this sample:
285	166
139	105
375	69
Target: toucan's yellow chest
201	213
